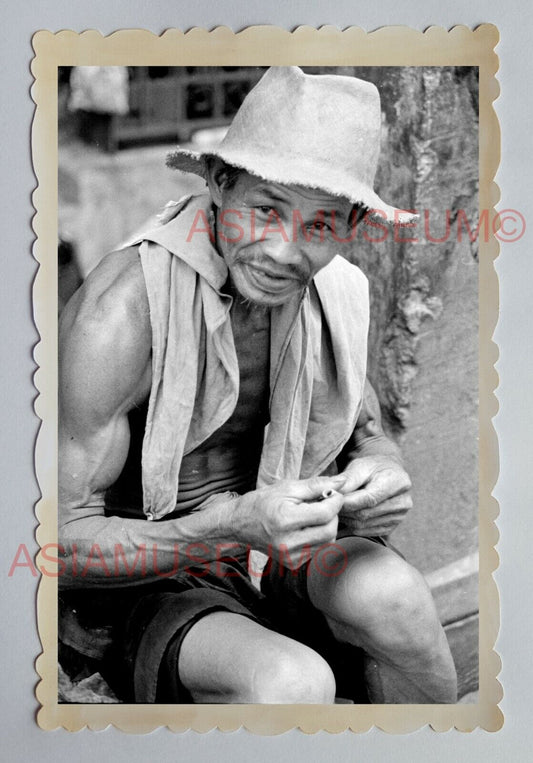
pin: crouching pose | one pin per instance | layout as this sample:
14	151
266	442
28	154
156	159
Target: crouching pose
214	404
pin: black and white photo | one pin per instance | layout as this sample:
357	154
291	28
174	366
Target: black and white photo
268	386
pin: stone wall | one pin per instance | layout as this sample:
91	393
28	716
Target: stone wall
423	344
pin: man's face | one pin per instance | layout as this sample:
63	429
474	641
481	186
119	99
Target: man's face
275	238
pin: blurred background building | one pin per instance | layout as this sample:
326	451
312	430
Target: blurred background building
423	356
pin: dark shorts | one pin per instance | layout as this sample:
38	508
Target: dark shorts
133	636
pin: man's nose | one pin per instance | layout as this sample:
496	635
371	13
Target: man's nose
282	251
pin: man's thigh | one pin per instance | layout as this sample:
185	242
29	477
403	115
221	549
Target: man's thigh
226	657
373	591
347	577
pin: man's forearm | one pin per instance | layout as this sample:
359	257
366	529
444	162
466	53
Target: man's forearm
101	551
377	488
376	445
289	516
368	437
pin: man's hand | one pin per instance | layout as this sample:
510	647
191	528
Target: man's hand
376	496
291	515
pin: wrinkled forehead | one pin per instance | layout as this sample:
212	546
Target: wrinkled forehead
251	186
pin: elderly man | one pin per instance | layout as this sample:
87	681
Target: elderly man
212	381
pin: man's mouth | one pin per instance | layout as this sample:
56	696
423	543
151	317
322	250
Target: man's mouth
273	281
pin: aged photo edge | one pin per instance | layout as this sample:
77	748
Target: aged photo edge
390	46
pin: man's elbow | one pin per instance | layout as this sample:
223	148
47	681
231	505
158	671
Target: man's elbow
76	556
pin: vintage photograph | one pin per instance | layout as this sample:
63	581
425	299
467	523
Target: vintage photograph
268	391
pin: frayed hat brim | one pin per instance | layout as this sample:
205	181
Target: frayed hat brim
302	172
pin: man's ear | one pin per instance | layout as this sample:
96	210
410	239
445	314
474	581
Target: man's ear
216	178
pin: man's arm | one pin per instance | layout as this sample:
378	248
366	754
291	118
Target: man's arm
104	371
377	488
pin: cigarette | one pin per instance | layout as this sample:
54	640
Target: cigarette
327	494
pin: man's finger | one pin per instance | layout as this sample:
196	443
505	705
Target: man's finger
365	503
297	547
384	481
359	474
362	499
316	536
316	513
357	525
313	488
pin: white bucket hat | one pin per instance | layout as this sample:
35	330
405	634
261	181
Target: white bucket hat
319	131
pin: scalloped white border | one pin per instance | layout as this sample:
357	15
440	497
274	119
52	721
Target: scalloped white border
261	45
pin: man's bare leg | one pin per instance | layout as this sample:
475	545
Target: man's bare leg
382	604
230	658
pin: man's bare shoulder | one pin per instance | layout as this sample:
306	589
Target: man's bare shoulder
115	289
105	334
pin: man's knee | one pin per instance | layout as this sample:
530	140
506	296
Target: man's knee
379	593
295	676
227	657
404	608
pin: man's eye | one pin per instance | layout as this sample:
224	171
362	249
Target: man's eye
266	209
319	225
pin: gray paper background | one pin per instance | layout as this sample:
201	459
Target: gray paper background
21	739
